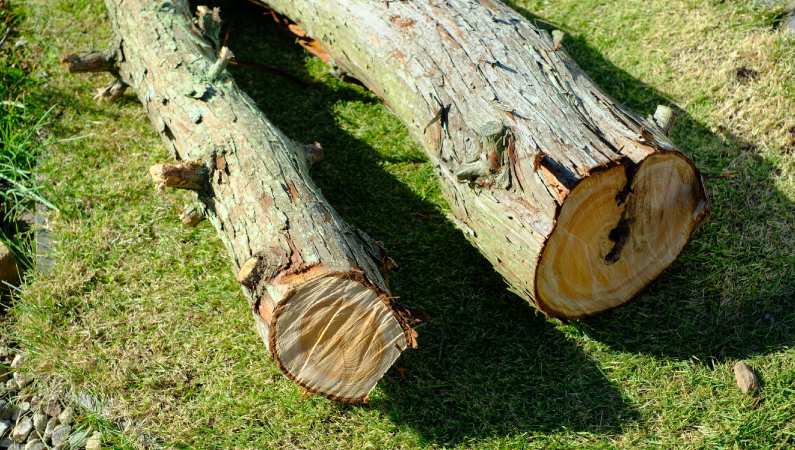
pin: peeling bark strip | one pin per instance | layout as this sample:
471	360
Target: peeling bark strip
317	296
578	202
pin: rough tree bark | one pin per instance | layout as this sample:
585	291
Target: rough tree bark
578	202
313	282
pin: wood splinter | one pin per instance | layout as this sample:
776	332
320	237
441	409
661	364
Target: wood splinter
190	175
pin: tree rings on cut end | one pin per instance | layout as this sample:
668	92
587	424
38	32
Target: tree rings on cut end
617	231
336	338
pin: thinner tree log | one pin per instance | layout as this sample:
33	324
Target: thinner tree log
313	282
578	202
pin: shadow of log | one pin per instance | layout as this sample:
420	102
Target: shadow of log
486	363
729	296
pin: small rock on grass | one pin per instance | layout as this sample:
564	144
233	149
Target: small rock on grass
35	446
11	385
22	430
745	378
5	425
17	446
6	442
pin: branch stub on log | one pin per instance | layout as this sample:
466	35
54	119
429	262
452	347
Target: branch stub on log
191	175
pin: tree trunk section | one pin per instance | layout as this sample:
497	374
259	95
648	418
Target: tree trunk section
578	202
313	282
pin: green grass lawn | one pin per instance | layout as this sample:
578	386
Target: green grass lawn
146	313
22	137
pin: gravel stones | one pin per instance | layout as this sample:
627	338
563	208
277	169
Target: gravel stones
43	422
22	430
19	411
67	415
18	362
5	410
51	407
61	434
94	442
40	422
79	439
23	379
51	424
5	425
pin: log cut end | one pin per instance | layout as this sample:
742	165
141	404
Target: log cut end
617	231
336	337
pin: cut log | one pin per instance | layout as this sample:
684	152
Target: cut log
578	202
313	282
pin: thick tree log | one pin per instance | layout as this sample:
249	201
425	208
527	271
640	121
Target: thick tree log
312	281
578	202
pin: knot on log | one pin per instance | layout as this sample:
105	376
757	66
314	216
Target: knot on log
249	275
190	175
489	158
472	171
313	154
266	265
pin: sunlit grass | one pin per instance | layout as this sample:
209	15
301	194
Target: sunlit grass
146	311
